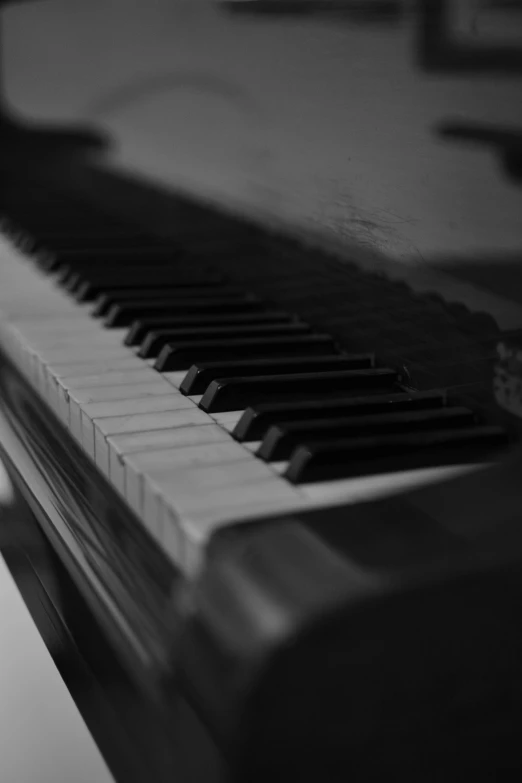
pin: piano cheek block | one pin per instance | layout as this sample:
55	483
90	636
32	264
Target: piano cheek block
355	672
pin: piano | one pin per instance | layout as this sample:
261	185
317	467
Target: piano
260	335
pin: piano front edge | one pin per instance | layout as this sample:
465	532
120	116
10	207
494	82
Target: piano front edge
347	647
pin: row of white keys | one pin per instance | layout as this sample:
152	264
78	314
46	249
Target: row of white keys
243	488
185	484
177	467
121	447
101	420
183	417
158	449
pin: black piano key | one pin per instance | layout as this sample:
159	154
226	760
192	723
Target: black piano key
231	394
132	277
129	272
183	355
155	341
120	252
90	241
257	420
141	327
42	247
104	302
76	282
202	374
281	439
354	457
159	281
125	314
71	274
105	259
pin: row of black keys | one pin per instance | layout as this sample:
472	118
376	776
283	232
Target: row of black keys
332	414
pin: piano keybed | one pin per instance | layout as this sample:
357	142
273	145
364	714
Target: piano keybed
202	403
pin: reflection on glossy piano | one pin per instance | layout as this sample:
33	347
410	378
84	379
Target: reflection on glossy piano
260	310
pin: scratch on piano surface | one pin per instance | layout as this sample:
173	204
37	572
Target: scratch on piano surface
373	228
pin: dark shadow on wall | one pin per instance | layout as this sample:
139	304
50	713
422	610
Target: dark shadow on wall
501	274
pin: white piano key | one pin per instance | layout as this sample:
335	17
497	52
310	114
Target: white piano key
59	388
108	408
83	325
260	499
87	308
224	497
38	308
31	299
279	467
20	311
252	445
86	353
227	505
110	378
105	394
176	377
227	420
95	394
136	423
174	464
156	440
68	317
18	306
88	364
64	324
174	460
196	486
64	341
89	367
72	342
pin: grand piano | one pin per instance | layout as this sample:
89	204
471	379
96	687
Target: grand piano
260	386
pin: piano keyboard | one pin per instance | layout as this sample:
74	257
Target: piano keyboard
201	403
